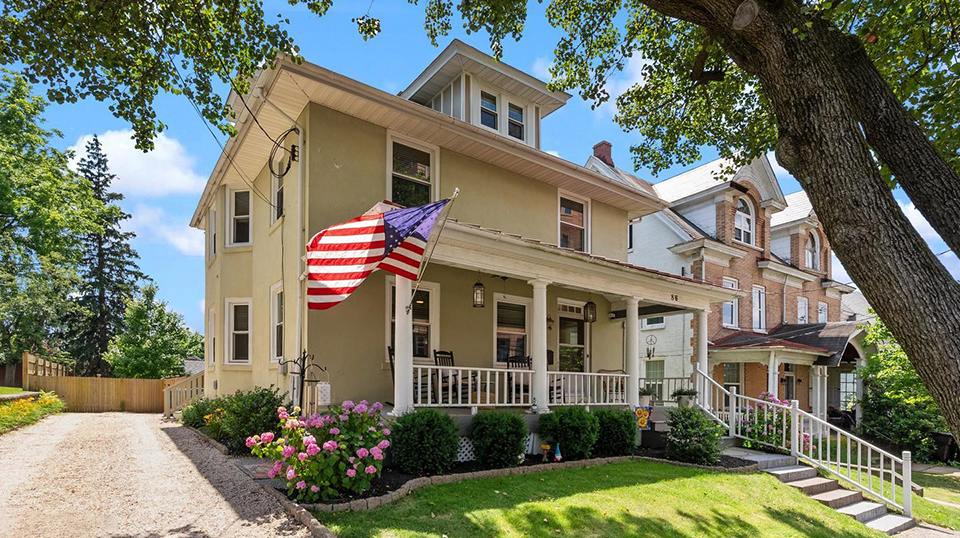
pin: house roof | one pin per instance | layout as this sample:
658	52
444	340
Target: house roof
829	340
798	208
459	57
752	340
855	304
713	175
620	176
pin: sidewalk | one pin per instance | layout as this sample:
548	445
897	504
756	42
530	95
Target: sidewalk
936	469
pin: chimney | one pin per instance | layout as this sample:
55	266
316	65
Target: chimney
601	150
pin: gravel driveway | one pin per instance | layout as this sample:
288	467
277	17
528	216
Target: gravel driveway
127	475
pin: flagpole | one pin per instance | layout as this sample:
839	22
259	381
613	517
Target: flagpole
436	239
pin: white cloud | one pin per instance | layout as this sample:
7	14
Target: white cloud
779	171
919	222
168	169
203	306
153	224
623	80
839	273
553	152
541	68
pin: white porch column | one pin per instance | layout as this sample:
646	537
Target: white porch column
403	349
815	393
633	352
702	362
538	343
824	379
773	374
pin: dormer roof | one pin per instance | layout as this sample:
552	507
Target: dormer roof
709	178
798	208
459	57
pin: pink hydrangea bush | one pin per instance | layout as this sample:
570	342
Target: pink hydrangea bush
767	425
326	456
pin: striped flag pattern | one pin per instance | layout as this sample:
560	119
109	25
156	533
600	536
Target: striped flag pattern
340	257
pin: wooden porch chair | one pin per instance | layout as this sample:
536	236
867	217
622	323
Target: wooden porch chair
393	377
519	387
445	378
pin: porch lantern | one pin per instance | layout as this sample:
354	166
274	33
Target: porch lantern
478	295
590	312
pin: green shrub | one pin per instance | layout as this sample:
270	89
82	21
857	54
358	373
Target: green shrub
29	410
192	415
499	438
246	414
574	428
618	433
693	438
425	442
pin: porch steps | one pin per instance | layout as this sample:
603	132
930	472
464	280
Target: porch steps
828	492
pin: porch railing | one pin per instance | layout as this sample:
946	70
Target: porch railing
665	386
584	388
827	447
454	386
182	393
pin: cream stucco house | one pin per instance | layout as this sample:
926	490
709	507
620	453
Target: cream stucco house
529	283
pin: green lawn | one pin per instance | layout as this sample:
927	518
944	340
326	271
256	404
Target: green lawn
624	499
10	390
939	487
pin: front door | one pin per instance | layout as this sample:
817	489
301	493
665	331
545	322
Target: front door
574	355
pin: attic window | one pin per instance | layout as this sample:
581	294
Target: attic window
515	127
488	110
743	223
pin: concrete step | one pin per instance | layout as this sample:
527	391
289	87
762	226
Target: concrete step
812	486
728	441
891	523
864	511
838	498
792	473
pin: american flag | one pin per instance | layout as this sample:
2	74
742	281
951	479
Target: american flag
340	257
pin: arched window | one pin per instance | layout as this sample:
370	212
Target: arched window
812	258
744	222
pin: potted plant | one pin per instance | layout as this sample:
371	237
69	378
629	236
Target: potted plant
646	396
684	396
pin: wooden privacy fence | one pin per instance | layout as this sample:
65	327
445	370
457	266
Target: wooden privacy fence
92	394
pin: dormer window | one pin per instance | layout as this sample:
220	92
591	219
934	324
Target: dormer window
744	222
515	119
812	251
488	111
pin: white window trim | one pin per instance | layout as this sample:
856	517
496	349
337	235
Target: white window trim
229	302
512	299
587	217
826	311
739	383
525	110
587	367
736	305
434	152
753	222
645	324
274	318
434	289
229	220
503	106
274	182
211	337
814	262
211	234
806	306
759	314
630	239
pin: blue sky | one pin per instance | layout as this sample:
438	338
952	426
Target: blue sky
161	188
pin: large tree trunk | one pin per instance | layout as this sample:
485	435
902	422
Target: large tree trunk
822	145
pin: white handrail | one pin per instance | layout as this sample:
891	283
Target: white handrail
808	437
182	393
586	388
665	386
454	386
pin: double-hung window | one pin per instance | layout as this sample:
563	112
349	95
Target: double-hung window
743	222
812	252
573	224
211	337
511	337
848	390
411	174
629	237
759	308
276	322
425	304
515	121
277	198
489	115
821	312
238	323
803	310
239	217
732	379
730	308
212	234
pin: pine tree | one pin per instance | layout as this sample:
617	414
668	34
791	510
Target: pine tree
109	272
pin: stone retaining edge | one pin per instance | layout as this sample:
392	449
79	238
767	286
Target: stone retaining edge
5	398
209	440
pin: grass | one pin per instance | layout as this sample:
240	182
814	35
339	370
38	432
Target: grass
623	499
28	411
10	390
939	487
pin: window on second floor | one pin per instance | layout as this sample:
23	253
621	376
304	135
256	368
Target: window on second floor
211	235
743	226
411	175
277	198
239	219
573	224
822	312
489	113
515	121
803	310
812	252
629	237
730	308
759	308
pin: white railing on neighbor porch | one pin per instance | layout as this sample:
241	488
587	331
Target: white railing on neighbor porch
585	388
454	386
182	393
664	387
789	428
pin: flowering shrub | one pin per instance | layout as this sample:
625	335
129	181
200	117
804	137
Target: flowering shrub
214	423
767	425
325	456
29	410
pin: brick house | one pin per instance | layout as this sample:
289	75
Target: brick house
784	333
